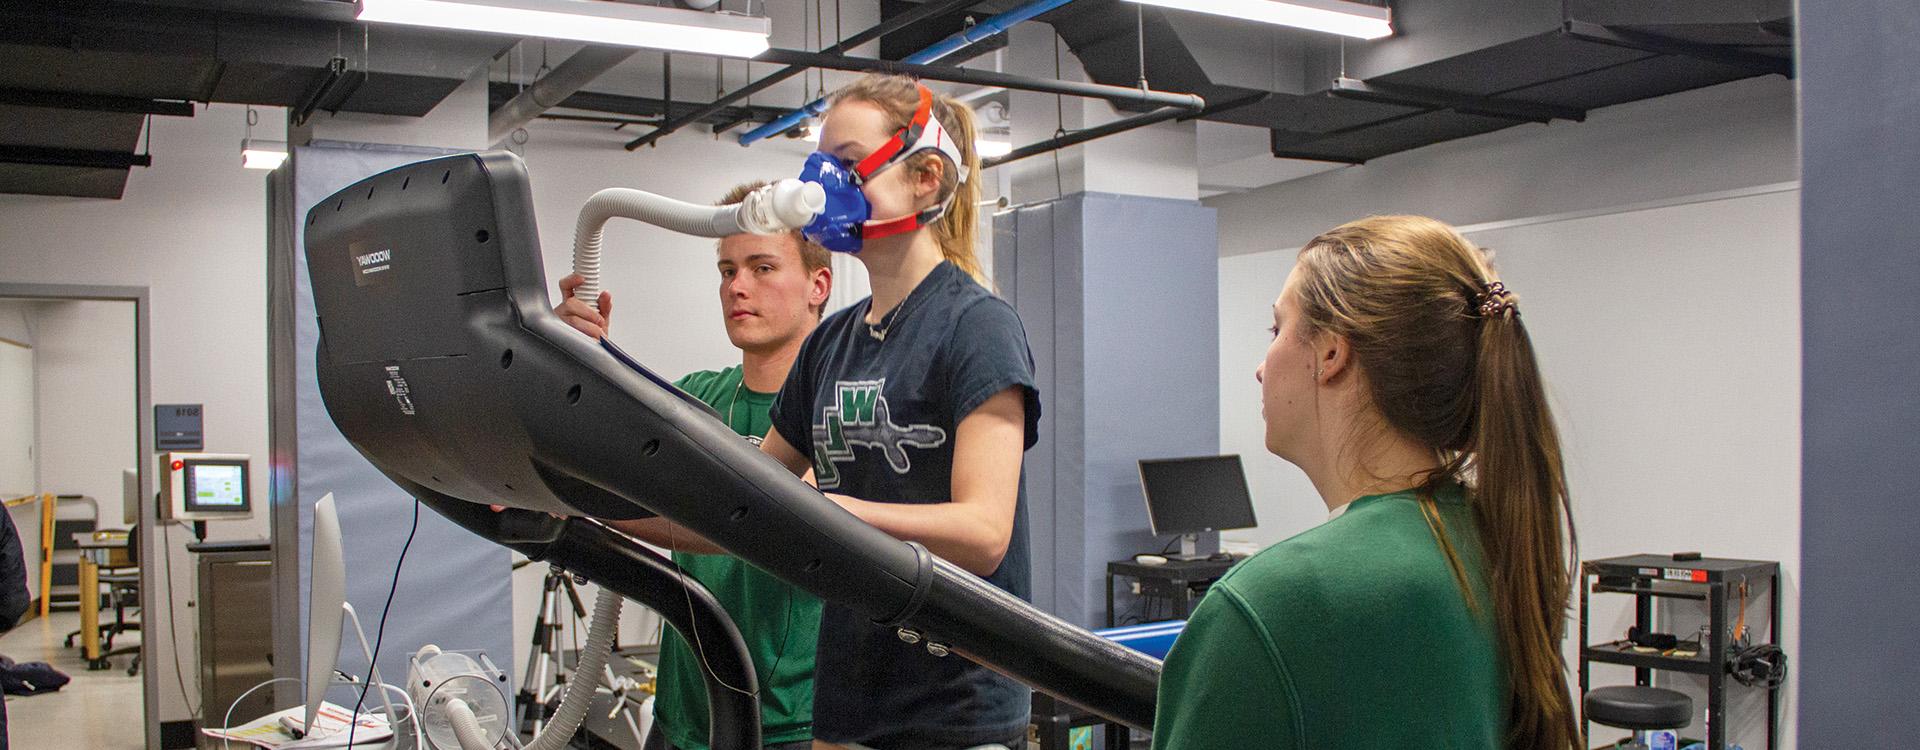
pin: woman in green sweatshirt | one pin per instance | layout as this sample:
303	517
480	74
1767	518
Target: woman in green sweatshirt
1427	611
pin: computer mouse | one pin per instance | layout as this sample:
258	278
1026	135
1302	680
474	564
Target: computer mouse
1150	559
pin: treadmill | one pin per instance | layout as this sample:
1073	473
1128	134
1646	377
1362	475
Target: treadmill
441	360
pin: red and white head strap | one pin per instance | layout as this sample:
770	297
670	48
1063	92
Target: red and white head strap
922	133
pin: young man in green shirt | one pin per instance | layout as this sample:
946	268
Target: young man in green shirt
772	289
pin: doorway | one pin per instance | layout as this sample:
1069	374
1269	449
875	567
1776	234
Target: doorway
75	428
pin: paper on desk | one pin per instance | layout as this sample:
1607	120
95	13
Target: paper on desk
330	725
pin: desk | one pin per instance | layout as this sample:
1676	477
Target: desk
1178	576
95	553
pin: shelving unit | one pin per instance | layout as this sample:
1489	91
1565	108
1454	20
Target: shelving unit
1708	580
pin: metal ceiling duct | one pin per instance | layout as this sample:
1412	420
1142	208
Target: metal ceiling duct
98	67
1455	68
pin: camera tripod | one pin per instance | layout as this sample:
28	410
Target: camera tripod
547	672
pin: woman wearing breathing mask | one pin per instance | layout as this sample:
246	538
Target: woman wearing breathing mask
1428	611
913	408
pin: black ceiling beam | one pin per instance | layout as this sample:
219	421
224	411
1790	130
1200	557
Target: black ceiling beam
1115	94
1082	136
95	102
72	157
729	124
641	107
334	84
617	122
925	11
1645	42
1502	109
1280	152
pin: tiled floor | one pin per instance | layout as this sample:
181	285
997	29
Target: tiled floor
97	710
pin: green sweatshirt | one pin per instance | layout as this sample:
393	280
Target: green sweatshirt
1354	634
780	623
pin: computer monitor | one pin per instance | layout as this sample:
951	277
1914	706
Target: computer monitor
1189	496
205	486
325	616
328	615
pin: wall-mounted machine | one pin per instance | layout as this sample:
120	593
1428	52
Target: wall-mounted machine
205	487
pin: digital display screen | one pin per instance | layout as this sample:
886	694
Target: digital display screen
216	486
1191	495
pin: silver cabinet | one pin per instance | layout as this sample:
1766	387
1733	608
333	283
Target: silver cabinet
236	632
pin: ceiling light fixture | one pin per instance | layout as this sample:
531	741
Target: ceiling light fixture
992	149
595	21
259	153
1332	16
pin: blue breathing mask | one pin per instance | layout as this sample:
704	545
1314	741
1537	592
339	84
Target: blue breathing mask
838	226
847	222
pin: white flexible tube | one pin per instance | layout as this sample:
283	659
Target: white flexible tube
413	716
466	728
781	207
586	675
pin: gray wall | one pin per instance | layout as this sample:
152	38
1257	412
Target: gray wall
1118	294
189	229
88	401
1655	248
1861	398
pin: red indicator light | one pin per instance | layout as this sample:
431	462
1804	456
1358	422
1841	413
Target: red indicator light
178	464
1699	576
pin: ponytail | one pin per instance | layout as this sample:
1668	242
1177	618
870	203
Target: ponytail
958	228
1449	363
1521	504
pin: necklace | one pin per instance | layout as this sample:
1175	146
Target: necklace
879	330
735	403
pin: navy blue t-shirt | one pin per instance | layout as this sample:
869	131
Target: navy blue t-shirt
877	413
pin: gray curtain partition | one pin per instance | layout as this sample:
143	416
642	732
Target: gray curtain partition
454	591
1859	671
1120	296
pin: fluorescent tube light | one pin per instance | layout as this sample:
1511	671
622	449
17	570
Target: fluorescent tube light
990	149
595	21
1331	16
261	154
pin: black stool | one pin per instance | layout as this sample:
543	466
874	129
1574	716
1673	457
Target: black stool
1644	710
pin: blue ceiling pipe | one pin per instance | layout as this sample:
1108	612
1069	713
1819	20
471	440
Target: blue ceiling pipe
958	41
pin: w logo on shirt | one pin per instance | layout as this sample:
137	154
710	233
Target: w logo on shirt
860	416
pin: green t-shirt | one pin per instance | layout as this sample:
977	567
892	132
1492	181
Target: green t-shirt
1353	634
780	623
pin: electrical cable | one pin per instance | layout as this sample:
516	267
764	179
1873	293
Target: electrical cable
700	646
226	724
173	630
380	632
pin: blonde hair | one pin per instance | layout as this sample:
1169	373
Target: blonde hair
1449	363
899	96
